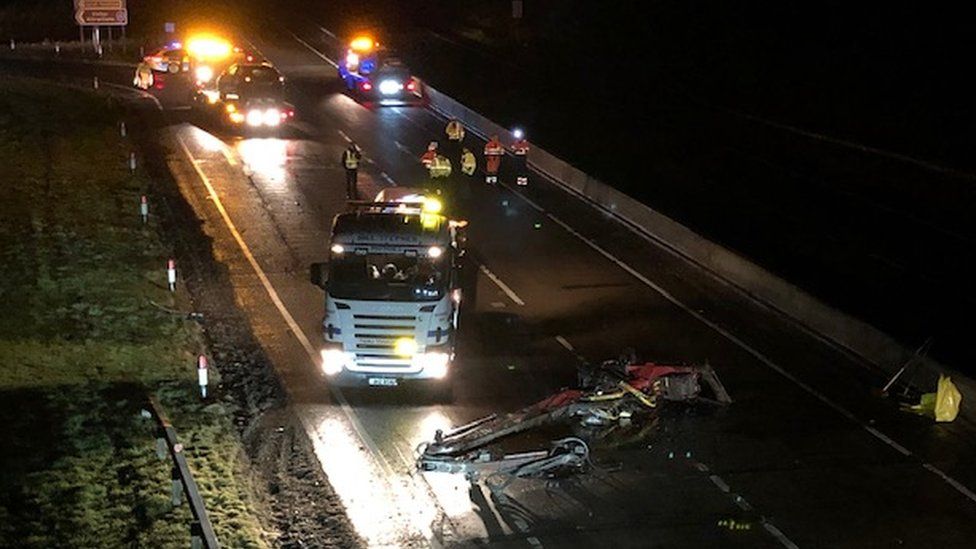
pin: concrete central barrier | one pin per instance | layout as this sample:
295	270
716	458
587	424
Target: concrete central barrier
825	322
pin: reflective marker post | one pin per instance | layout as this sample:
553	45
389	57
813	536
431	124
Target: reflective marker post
171	274
144	209
202	375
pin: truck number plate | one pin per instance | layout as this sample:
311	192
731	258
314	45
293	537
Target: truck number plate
382	381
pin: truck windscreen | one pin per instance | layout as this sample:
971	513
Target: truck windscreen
388	277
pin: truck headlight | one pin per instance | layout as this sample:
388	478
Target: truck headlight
333	361
434	364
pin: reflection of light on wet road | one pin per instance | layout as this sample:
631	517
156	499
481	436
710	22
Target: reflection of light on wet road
359	482
451	490
266	158
208	142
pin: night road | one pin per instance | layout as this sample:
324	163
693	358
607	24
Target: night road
808	454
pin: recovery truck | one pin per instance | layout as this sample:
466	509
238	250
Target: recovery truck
392	293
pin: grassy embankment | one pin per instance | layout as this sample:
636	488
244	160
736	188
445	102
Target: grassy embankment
81	346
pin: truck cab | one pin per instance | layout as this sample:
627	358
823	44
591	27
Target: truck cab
392	295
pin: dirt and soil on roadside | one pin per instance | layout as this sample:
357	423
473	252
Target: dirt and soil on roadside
92	332
305	511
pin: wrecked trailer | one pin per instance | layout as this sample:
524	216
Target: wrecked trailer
612	393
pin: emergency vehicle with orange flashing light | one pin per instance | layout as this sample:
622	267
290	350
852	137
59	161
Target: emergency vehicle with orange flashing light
374	73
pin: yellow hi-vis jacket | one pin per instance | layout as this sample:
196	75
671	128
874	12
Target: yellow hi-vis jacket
350	160
468	163
455	131
440	167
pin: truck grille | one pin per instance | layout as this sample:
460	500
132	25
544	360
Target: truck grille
375	337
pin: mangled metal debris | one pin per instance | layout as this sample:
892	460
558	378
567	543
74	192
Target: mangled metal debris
611	393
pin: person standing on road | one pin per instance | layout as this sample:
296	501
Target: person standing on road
428	157
493	159
455	136
521	151
468	162
350	161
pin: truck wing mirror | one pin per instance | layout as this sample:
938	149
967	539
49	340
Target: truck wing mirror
320	274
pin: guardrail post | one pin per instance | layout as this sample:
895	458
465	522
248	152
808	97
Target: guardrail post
177	494
161	449
196	535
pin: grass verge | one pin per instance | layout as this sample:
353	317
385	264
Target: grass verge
83	343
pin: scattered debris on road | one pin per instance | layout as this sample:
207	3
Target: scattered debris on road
616	392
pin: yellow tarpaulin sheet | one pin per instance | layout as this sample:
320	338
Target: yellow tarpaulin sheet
947	400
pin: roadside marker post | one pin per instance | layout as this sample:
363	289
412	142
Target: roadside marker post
13	45
161	448
132	162
57	48
144	209
171	274
95	82
177	492
122	129
202	375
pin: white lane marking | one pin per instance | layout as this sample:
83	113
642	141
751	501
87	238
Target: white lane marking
721	484
779	535
955	483
562	341
504	287
761	357
327	31
386	177
313	50
403	148
292	324
962	489
741	502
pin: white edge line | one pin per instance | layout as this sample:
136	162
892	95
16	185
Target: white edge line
763	358
289	319
504	287
562	341
779	535
315	51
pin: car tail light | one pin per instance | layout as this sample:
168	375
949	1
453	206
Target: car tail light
412	85
366	86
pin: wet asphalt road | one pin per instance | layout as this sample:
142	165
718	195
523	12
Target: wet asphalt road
805	456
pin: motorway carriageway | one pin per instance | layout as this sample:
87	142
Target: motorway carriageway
804	457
